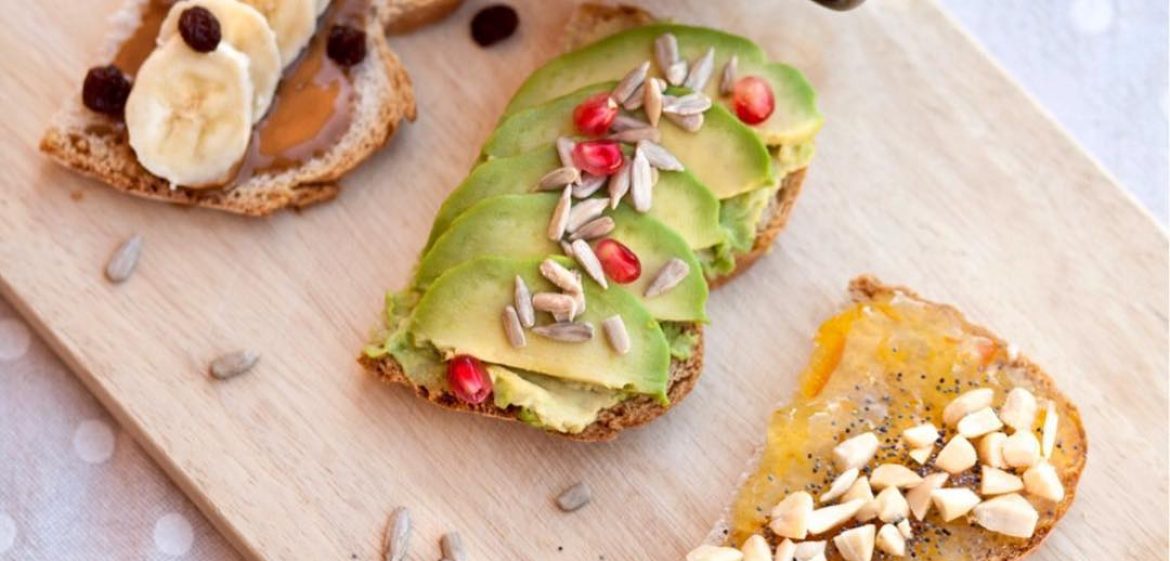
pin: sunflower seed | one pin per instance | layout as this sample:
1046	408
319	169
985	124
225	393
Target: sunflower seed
588	260
560	216
574	497
689	123
666	50
727	82
701	71
658	156
560	276
677	73
523	301
631	136
124	259
233	364
690	104
634	102
554	303
630	82
668	277
566	249
579	299
565	147
626	122
593	229
585	211
653	103
452	546
615	333
588	185
565	332
619	184
558	178
512	327
640	182
397	541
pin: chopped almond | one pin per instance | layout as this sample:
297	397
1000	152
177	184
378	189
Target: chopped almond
841	484
921	455
1019	409
714	553
966	404
893	475
790	516
1011	515
809	551
755	548
979	423
905	530
991	450
826	518
921	435
786	551
891	505
860	490
919	497
856	544
1049	430
1021	449
1042	481
957	456
954	502
855	452
891	541
998	482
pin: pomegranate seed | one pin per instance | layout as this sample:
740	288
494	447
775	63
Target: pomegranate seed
595	115
599	157
753	100
469	379
618	262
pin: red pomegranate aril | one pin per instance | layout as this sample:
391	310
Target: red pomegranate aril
753	100
619	263
595	115
599	157
468	378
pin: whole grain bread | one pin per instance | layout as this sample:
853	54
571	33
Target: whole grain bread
864	289
96	145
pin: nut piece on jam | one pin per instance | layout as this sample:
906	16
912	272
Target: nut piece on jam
200	29
105	90
493	24
347	45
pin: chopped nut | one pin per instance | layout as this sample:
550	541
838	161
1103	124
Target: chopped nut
954	502
1021	449
957	456
840	484
1019	409
920	436
826	518
998	482
855	452
966	404
904	529
1048	433
991	450
786	551
755	548
809	551
1011	515
860	490
921	455
790	516
714	553
891	541
891	505
979	423
919	497
893	475
1042	481
856	544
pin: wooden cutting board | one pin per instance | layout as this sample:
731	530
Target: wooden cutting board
934	170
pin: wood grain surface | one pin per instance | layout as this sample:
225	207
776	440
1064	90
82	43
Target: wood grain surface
934	171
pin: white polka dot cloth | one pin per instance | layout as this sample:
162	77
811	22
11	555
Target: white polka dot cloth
74	487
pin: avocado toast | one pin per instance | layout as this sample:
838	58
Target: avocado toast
646	182
913	434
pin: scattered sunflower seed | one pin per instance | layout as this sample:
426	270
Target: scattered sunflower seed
560	276
233	364
615	333
619	184
593	230
701	71
566	249
512	327
690	104
631	136
560	216
588	185
558	178
653	102
523	302
585	211
565	332
574	497
579	298
730	69
641	183
677	73
689	123
397	541
665	50
588	260
452	546
626	122
668	277
658	156
630	82
554	303
634	102
124	259
565	147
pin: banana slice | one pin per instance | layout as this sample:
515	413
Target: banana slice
244	28
293	21
189	114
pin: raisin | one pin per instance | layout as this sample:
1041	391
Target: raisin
493	24
200	29
105	90
347	45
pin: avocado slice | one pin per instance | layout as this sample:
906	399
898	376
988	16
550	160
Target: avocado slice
515	225
549	403
795	119
725	155
680	201
460	314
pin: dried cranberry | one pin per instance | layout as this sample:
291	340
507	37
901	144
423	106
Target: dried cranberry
493	24
753	100
347	45
595	115
105	90
599	157
468	378
200	29
619	262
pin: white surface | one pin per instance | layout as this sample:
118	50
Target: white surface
73	487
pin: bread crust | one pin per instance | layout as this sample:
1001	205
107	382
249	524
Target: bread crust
404	16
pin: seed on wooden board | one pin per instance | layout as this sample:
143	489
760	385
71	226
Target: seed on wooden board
677	73
619	184
701	71
632	136
124	259
588	260
658	156
554	303
512	327
560	216
630	82
668	277
565	151
560	276
652	102
586	211
689	104
565	332
233	364
689	123
665	50
558	178
451	545
522	299
574	497
626	122
615	333
588	185
396	544
594	229
727	81
640	182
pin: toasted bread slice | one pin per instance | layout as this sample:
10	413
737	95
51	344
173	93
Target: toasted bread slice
404	16
890	362
98	146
